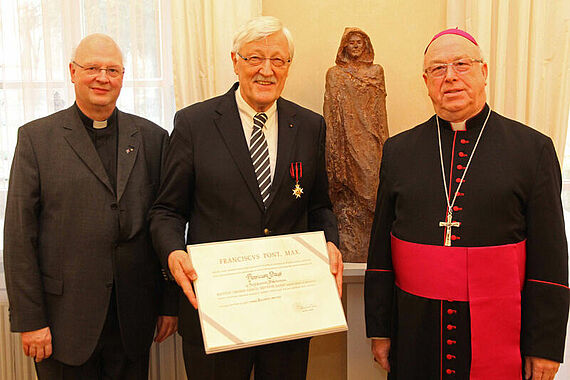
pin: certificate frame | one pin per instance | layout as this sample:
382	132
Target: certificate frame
265	290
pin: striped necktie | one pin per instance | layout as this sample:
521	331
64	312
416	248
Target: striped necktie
260	155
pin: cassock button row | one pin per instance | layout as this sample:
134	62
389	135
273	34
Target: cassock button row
463	141
449	371
451	342
457	208
451	311
450	357
451	327
459	180
459	194
460	167
455	237
461	154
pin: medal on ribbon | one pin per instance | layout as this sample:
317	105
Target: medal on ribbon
296	172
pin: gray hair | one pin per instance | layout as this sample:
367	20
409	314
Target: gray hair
258	28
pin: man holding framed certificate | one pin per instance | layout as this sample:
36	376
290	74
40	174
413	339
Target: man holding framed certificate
246	164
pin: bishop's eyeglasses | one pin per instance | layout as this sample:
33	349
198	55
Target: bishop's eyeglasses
460	66
255	60
94	70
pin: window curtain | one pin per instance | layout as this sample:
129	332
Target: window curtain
202	32
527	46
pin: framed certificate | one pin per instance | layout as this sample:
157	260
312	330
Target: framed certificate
265	290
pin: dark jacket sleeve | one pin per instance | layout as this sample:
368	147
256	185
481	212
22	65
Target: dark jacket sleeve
21	262
545	294
379	276
171	210
170	289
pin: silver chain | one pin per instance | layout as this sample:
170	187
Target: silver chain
445	190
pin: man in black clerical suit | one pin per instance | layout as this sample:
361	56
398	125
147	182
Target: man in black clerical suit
227	174
468	267
84	283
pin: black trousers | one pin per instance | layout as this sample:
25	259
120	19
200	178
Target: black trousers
277	361
109	360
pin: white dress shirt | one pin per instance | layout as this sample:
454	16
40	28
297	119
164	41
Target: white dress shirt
270	129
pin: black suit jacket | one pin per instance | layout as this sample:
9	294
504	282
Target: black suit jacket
68	236
210	183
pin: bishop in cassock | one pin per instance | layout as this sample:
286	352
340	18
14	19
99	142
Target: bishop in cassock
467	271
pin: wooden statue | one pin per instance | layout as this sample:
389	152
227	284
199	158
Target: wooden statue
355	113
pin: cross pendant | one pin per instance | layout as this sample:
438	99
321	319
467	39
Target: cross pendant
448	224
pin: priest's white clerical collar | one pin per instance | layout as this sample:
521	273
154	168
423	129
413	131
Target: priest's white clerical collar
243	107
99	124
461	126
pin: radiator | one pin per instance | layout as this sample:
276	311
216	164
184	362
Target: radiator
166	362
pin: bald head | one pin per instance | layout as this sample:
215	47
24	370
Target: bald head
96	42
448	45
456	96
97	72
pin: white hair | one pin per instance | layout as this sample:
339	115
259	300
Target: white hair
258	28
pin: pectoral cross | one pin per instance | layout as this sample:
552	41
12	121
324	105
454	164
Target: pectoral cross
448	224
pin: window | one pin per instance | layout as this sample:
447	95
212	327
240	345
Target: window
36	42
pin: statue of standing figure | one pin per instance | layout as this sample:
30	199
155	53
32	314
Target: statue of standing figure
357	127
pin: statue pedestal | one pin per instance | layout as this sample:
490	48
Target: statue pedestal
359	361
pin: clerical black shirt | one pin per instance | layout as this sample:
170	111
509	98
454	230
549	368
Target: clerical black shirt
105	141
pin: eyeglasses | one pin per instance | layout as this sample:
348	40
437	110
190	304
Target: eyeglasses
255	60
94	70
460	66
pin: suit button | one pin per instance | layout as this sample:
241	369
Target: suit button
266	231
114	206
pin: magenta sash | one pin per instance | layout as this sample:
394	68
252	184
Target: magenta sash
490	279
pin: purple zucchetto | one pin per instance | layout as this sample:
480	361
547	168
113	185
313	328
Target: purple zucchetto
456	31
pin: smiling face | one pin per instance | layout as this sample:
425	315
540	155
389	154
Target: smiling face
261	85
96	96
355	46
455	97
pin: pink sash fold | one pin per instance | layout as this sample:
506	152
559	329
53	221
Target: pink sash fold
490	279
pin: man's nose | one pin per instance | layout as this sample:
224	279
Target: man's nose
266	68
450	73
102	75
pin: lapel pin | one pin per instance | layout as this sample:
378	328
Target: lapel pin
291	125
129	149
